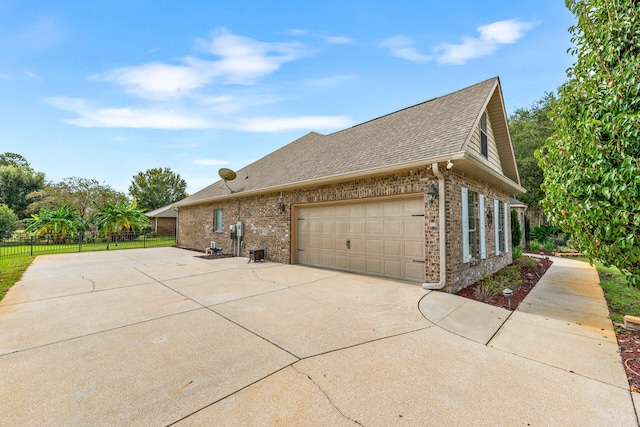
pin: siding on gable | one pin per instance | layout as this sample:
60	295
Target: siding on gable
474	146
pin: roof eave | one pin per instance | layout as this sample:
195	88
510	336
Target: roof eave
330	179
477	167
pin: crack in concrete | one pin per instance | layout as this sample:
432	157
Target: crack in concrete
93	287
327	397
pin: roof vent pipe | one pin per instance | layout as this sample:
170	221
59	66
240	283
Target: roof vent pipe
441	219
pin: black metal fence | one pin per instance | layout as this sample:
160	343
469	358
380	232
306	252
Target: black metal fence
22	244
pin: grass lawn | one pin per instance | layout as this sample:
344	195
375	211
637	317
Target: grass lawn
621	297
11	270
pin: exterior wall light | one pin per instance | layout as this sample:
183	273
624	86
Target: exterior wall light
433	193
281	207
489	216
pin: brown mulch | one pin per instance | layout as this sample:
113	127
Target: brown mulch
216	256
629	343
519	293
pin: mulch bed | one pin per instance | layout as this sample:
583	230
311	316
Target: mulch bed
629	343
519	293
218	256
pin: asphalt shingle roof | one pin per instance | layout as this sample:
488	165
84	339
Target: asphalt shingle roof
424	131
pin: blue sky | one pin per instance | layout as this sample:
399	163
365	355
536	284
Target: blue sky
106	89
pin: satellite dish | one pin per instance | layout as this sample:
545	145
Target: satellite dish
227	174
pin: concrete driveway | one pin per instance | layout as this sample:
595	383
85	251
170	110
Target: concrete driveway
161	337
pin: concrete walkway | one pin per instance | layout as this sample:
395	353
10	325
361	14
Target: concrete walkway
562	323
158	337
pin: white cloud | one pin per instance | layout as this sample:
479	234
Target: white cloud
298	32
403	47
127	117
32	75
160	81
211	162
282	124
338	40
5	77
157	118
242	60
331	80
490	38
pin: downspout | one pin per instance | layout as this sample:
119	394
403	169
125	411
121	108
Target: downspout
441	219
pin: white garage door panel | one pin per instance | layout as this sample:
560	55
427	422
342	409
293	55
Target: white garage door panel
383	238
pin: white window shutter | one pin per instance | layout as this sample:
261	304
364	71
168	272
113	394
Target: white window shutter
507	217
465	225
483	244
496	225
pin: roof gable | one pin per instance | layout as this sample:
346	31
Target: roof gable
415	135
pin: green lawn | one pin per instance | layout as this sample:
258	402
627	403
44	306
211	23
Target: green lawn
621	297
11	270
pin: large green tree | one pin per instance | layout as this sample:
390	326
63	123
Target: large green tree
84	196
8	221
530	127
590	165
13	159
157	187
17	179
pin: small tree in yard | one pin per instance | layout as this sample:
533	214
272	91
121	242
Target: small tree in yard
8	221
120	217
60	222
590	164
516	232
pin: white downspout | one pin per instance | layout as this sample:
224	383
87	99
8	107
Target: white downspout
441	219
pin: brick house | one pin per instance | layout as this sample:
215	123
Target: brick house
163	220
421	194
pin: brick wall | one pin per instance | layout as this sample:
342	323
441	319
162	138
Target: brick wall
459	273
268	228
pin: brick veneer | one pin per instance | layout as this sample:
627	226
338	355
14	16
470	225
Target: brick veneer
268	228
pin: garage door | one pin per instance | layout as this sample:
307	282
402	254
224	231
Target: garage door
382	238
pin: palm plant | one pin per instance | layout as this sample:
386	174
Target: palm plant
120	217
49	222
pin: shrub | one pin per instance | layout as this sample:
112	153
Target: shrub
486	292
507	277
517	252
549	245
527	262
516	233
543	232
535	246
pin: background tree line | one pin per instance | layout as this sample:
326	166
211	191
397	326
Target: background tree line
77	204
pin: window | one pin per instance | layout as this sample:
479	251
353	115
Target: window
217	221
500	231
501	224
473	233
471	224
484	148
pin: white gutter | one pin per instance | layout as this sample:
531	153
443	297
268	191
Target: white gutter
443	246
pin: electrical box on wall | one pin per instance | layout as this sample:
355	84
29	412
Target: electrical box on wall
240	229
